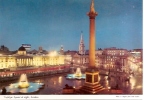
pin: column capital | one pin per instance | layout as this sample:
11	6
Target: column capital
92	15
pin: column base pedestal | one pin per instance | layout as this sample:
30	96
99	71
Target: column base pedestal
91	88
92	85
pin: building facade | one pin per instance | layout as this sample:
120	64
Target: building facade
108	58
135	60
22	59
114	58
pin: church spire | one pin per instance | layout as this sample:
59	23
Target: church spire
81	46
81	40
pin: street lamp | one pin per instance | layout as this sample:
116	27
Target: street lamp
78	61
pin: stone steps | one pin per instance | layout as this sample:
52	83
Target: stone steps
92	89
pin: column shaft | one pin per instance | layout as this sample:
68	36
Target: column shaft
92	43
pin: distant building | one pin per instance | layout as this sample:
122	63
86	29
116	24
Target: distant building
108	58
3	48
33	52
78	58
69	56
61	50
139	53
40	50
22	59
21	51
135	59
114	58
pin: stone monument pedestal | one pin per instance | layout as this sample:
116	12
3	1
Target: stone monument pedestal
92	85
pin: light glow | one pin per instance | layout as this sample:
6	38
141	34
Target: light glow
53	53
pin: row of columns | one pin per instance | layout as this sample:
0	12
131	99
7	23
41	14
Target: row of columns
24	62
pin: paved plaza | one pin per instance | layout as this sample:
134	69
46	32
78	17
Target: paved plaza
54	84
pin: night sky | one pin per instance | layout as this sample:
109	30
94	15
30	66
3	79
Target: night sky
52	23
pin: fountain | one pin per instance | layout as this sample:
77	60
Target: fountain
78	72
23	82
23	86
76	75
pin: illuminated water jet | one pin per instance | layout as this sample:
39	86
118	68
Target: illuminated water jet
23	82
77	75
23	86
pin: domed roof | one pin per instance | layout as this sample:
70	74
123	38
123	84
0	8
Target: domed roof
22	48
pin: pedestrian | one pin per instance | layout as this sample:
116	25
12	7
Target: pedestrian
3	91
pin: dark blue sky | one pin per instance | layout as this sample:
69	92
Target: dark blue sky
52	23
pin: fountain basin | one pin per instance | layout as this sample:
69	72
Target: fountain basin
73	76
32	88
23	85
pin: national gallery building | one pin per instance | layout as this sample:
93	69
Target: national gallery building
22	59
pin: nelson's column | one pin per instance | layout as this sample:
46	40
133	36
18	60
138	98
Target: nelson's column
92	74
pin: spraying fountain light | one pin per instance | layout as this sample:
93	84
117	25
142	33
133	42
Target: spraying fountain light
23	82
77	75
78	72
23	86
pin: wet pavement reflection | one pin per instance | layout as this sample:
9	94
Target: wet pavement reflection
55	84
